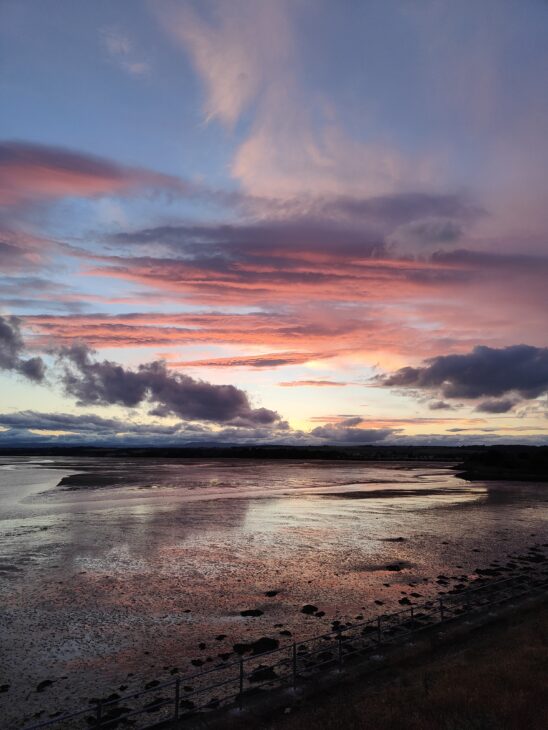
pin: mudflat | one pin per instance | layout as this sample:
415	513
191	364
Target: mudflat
119	571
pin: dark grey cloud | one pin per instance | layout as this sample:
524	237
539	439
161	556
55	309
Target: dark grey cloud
105	382
28	428
348	226
217	246
493	405
430	231
390	211
12	349
326	244
486	372
440	405
88	423
489	261
33	427
350	421
348	434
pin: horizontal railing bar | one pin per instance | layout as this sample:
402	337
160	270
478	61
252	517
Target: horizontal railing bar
189	677
153	707
257	657
201	690
316	665
140	693
54	720
205	705
140	711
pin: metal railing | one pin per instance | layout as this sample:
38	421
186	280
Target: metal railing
237	682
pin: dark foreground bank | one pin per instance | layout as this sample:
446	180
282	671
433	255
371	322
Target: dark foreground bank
496	678
506	463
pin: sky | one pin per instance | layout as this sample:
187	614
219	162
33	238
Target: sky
300	221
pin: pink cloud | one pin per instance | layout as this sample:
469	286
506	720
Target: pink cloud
33	173
269	360
313	384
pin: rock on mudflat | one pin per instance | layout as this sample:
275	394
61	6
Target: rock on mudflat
241	648
309	609
251	612
265	643
262	674
43	685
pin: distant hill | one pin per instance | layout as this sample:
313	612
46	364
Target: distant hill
474	462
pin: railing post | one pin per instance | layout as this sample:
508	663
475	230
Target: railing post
99	714
241	692
177	698
294	665
379	630
339	640
441	610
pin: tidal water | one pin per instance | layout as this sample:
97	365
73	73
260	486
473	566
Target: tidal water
114	572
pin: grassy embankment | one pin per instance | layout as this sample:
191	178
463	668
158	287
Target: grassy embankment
496	679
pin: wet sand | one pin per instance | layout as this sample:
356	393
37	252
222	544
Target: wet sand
117	573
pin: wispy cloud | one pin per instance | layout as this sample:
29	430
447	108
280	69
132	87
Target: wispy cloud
236	50
246	55
268	360
121	50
